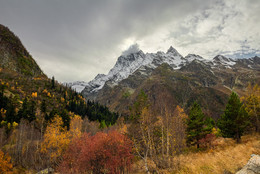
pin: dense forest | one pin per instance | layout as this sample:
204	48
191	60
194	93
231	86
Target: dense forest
50	99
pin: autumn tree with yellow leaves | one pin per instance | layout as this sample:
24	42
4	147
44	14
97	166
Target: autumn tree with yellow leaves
157	132
178	129
55	141
141	129
251	101
75	127
57	138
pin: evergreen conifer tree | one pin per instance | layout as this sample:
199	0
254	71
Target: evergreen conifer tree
234	120
52	82
22	113
3	99
43	106
31	111
65	119
197	125
10	114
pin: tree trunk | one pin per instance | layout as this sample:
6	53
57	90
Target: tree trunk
257	125
146	165
167	143
238	137
162	142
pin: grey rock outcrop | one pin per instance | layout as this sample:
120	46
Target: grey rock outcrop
252	166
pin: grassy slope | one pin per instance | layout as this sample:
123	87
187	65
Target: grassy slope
227	156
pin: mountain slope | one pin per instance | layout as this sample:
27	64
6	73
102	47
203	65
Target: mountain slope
22	79
14	57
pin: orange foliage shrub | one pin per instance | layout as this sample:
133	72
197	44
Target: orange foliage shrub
5	164
101	153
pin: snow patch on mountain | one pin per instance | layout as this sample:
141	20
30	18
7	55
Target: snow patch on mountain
78	86
224	61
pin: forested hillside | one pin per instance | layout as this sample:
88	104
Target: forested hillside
29	102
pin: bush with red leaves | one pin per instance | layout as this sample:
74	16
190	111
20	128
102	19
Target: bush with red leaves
101	153
207	140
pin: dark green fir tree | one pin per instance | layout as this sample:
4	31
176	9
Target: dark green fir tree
43	107
234	121
52	82
24	110
198	126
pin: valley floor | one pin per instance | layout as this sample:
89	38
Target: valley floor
224	157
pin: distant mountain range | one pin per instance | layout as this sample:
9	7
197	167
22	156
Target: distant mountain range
185	79
128	64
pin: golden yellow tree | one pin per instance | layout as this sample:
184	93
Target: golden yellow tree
252	105
75	126
142	136
56	140
178	128
5	164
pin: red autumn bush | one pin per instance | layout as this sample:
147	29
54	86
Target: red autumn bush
101	153
207	140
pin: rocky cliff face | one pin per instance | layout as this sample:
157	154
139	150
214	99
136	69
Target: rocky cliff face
13	55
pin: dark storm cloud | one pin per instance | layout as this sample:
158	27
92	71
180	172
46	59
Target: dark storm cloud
75	40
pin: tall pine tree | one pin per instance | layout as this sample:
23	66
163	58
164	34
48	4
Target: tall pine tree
52	82
234	120
197	125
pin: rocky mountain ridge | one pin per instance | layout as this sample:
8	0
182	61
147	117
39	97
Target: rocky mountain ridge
78	86
128	64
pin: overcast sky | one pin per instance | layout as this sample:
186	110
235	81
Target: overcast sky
76	40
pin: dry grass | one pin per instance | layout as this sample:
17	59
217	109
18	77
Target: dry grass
225	157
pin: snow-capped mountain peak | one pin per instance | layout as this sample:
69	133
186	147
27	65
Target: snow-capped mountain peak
191	57
127	59
78	86
222	60
173	51
134	59
130	61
